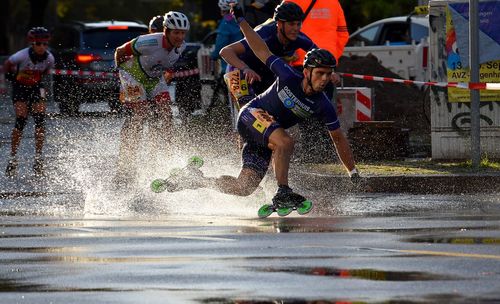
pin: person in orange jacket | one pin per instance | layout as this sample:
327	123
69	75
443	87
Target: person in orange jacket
325	24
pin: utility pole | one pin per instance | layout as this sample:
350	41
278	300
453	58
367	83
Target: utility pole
474	77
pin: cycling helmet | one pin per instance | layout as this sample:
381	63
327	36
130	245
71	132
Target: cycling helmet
288	11
225	5
156	24
38	34
176	21
316	58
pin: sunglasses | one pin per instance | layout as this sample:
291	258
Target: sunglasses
40	43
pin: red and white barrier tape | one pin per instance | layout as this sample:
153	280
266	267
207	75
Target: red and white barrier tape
178	74
461	85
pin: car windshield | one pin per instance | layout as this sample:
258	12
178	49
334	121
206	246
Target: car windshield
419	32
109	39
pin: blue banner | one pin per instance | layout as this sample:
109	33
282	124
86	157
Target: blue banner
489	30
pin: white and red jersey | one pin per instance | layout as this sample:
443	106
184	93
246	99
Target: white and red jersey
29	73
151	56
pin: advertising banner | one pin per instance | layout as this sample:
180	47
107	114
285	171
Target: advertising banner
457	48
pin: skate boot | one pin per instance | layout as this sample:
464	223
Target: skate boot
11	170
190	177
38	167
285	201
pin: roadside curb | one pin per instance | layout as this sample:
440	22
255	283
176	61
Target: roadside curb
412	184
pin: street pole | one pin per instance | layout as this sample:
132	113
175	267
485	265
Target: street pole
474	77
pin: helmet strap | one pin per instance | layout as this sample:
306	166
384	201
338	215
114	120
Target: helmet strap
170	42
309	81
283	33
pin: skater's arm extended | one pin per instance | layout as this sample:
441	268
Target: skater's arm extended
343	149
230	54
258	46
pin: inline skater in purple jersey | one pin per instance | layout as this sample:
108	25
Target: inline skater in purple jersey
27	69
247	76
263	121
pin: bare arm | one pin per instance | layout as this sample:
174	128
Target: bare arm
230	54
343	149
258	46
9	69
122	53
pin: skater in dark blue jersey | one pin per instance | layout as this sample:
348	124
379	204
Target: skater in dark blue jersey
247	75
263	121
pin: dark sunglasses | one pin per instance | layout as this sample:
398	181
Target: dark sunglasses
40	43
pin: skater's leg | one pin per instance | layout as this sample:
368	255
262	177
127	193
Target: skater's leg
245	184
129	145
21	110
38	112
161	129
282	145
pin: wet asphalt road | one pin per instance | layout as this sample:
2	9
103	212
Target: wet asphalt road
71	238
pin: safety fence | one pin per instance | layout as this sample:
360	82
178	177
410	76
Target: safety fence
176	74
461	85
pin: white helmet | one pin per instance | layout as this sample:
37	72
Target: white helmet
176	21
225	5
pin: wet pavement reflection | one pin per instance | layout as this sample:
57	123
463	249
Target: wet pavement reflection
211	259
69	238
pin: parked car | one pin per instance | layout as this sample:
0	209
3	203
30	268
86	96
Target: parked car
89	46
399	43
393	31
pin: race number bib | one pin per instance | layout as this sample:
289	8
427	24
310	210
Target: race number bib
262	119
237	85
131	91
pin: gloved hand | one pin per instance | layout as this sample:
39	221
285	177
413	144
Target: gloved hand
237	12
356	179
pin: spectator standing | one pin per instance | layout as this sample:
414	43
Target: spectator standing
325	24
228	31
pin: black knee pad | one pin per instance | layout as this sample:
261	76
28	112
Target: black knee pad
39	119
20	123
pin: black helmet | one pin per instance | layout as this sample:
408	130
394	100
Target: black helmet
288	11
319	58
156	24
38	34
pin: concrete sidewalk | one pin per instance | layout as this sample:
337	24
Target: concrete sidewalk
320	176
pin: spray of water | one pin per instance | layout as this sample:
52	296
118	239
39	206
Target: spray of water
221	156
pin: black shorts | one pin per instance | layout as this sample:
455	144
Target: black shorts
28	94
255	126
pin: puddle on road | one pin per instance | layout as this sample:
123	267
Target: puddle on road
7	285
338	224
454	240
367	274
438	298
